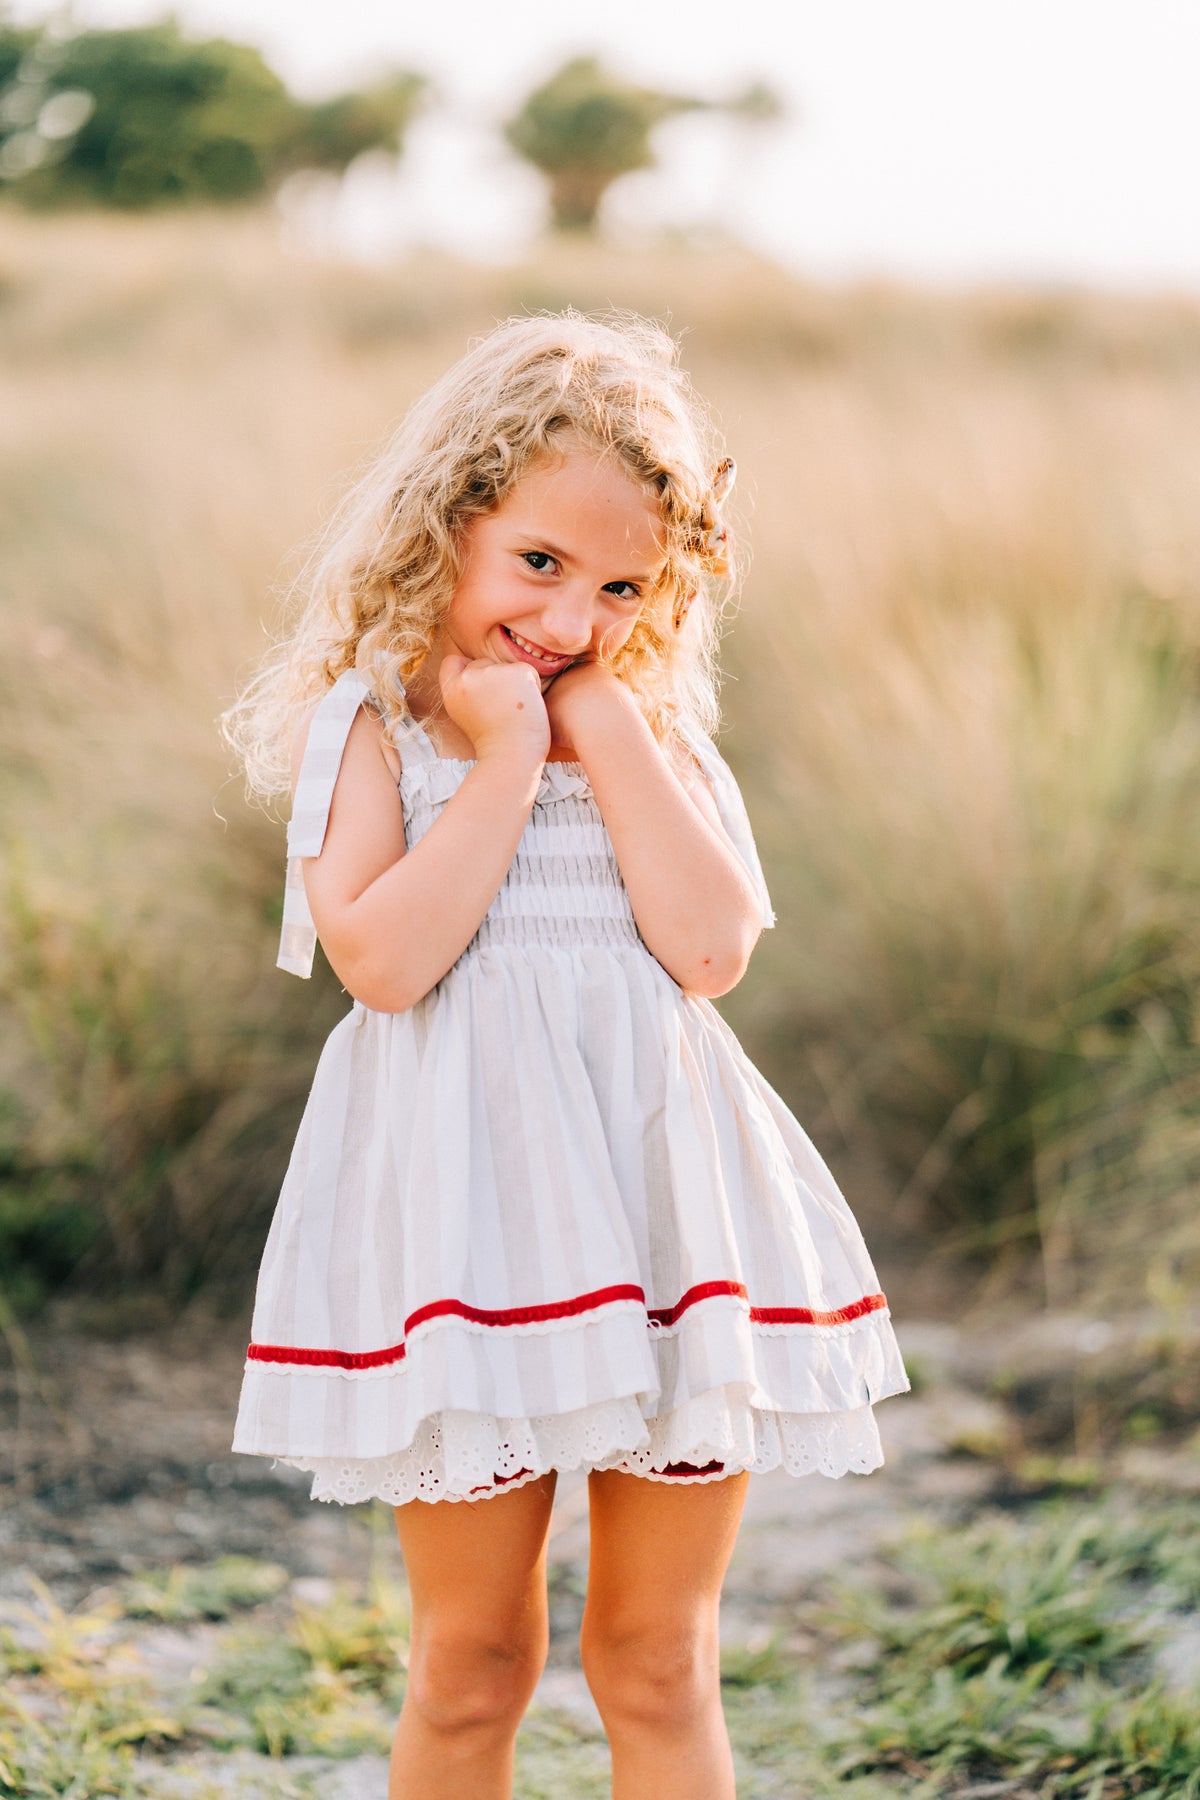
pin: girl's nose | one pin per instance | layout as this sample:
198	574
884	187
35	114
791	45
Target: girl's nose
566	625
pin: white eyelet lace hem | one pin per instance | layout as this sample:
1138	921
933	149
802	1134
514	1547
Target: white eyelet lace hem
472	1456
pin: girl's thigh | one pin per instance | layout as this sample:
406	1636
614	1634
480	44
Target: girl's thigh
659	1551
480	1563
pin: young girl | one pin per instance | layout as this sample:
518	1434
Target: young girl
542	1213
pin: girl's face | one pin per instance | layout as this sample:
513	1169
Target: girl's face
560	572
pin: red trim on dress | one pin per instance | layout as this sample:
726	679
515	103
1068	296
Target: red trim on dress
707	1290
523	1315
801	1315
677	1471
683	1471
501	1481
563	1309
767	1315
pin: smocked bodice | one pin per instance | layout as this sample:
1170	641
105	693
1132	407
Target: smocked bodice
563	887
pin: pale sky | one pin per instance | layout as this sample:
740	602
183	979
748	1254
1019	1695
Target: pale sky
934	140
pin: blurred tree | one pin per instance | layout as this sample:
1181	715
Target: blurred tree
333	132
582	129
147	117
21	92
585	127
757	104
15	44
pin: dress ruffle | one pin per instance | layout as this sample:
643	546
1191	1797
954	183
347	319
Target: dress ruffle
439	778
468	1404
472	1456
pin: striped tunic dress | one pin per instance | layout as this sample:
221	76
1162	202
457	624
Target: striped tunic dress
550	1217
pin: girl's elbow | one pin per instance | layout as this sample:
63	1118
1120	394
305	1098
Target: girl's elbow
379	989
720	971
726	960
721	981
382	996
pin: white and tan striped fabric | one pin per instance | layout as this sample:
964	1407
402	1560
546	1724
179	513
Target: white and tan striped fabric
551	1216
319	770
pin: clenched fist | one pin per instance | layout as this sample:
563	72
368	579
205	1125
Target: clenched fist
497	705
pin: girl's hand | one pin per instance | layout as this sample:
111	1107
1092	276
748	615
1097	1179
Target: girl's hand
498	705
583	686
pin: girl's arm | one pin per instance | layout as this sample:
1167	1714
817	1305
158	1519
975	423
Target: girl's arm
393	922
693	900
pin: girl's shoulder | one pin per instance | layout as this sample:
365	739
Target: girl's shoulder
367	727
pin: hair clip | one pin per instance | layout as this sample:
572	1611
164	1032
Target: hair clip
723	480
718	534
718	537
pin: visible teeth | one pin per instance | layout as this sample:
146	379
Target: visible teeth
533	649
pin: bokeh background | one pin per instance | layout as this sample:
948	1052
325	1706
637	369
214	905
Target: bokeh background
961	681
938	268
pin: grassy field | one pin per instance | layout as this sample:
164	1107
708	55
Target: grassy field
1036	1656
962	698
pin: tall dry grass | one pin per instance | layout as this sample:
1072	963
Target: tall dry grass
962	699
987	770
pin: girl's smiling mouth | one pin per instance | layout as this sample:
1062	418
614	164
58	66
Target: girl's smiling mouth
533	653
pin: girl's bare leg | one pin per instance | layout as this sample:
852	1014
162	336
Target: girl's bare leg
649	1640
480	1630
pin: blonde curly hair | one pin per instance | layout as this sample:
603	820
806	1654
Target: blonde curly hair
380	578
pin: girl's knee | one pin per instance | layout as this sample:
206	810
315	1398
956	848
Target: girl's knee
462	1683
652	1674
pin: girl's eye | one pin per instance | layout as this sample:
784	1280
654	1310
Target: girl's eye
538	560
631	592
